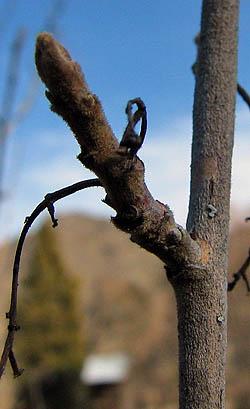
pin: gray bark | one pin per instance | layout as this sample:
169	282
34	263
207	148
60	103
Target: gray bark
202	295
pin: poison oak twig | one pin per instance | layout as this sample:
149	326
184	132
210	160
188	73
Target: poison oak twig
48	203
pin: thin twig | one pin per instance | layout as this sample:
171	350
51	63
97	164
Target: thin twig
241	273
16	370
9	94
244	95
51	20
131	140
48	202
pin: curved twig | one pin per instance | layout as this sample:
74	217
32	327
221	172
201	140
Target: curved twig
244	94
131	140
241	273
48	203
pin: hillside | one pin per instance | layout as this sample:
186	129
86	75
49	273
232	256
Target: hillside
128	306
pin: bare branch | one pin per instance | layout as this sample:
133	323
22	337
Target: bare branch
48	202
241	273
150	223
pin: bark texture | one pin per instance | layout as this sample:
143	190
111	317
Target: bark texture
202	299
196	258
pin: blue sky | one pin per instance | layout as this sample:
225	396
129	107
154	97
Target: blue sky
126	49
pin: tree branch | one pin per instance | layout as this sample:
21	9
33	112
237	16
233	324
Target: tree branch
150	223
241	273
48	203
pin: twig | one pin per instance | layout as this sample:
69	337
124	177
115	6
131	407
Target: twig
50	23
16	370
9	93
241	273
25	105
244	95
11	82
131	140
48	202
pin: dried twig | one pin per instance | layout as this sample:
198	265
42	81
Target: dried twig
48	203
131	140
241	273
244	95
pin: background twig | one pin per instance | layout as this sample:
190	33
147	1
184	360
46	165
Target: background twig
48	202
244	95
241	273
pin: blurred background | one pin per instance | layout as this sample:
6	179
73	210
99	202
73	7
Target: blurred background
97	314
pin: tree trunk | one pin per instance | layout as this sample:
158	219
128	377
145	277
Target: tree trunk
202	294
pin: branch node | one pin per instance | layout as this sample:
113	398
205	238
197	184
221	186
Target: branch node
26	220
13	327
220	319
128	221
174	236
51	210
212	211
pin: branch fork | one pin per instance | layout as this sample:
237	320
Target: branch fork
123	180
